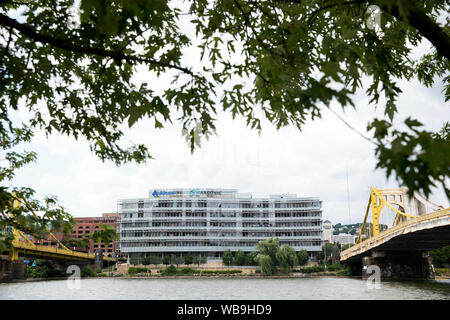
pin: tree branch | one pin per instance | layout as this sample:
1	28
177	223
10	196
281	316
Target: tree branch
69	46
412	15
331	5
417	19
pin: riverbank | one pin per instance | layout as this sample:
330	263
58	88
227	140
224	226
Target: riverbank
197	276
238	276
217	276
442	273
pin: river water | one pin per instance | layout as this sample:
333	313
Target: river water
225	289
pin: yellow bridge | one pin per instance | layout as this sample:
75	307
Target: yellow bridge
401	250
22	246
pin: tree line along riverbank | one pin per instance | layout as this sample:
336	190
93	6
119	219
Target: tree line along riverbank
45	271
330	270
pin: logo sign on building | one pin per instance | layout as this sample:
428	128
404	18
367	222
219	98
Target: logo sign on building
163	193
193	192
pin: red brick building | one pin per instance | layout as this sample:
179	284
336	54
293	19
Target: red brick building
85	226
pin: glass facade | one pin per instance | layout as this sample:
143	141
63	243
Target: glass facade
210	221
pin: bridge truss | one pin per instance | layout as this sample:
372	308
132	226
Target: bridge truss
408	208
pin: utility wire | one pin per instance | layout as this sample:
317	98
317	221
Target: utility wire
348	201
348	125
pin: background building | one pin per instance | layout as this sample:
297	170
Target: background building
210	221
327	231
85	226
344	238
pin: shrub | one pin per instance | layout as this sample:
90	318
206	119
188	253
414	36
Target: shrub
98	270
187	270
333	267
345	272
87	272
220	271
169	271
311	269
37	272
135	270
44	269
132	271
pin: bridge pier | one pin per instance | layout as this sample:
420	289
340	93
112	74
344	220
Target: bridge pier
98	262
12	270
399	265
356	267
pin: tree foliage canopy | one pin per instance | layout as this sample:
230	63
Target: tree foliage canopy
287	258
227	257
267	255
240	258
72	66
303	257
440	256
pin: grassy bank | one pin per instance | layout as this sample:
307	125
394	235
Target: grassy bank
172	271
443	273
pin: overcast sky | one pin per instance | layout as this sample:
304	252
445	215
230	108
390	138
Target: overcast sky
313	162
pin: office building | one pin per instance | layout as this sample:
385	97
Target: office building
209	221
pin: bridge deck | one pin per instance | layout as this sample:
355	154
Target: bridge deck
425	232
45	252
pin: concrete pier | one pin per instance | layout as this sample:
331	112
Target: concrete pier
12	270
399	265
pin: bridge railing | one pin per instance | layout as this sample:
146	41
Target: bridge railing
52	250
378	239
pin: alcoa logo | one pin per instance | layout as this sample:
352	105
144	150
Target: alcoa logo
162	193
